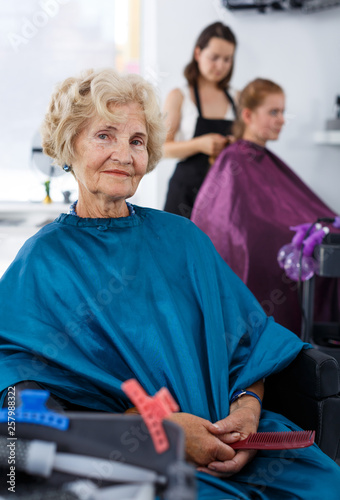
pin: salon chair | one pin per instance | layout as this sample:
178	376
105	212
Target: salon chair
308	393
324	336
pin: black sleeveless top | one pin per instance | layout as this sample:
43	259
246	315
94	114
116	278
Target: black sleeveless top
190	173
193	169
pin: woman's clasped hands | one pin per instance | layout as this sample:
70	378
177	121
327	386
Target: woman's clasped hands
207	443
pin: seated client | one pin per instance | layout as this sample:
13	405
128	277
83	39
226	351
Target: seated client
248	201
105	293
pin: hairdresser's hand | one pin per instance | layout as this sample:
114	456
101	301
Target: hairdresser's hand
243	419
230	139
211	144
202	447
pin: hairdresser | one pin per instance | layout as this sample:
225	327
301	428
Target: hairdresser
200	115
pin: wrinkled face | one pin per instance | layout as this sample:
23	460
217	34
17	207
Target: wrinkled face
111	158
215	60
265	122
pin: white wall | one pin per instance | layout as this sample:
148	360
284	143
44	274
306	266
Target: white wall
297	50
41	43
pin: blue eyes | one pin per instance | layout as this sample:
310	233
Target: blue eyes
134	142
275	112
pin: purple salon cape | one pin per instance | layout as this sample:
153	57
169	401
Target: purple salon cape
246	205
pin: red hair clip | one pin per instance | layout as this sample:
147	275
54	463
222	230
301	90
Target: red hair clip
153	410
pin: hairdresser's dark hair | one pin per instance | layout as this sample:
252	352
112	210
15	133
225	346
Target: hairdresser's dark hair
251	97
216	30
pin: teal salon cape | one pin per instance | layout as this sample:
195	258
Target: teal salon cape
90	303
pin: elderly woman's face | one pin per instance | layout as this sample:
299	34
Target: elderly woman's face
111	158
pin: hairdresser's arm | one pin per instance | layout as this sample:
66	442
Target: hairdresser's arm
210	144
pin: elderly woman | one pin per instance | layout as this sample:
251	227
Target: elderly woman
104	294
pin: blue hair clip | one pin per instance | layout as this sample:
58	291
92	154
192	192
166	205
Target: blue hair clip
34	411
67	168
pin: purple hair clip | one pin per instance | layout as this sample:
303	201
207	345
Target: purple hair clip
336	222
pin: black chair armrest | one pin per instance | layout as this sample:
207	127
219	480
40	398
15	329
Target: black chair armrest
307	393
313	373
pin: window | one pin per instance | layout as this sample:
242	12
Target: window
42	43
